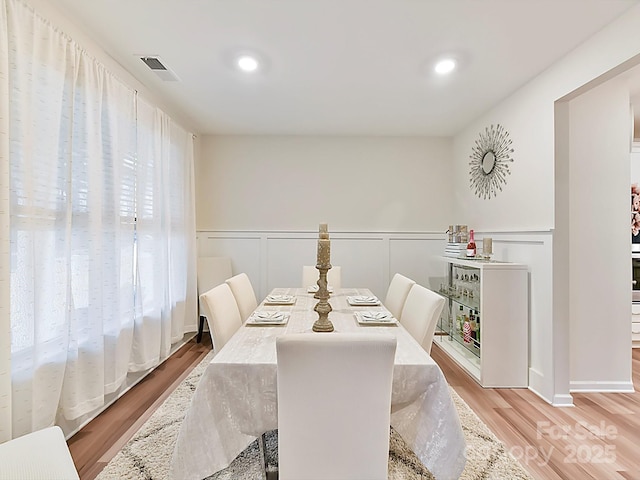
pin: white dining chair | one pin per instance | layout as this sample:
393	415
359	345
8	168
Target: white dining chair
397	294
244	294
40	455
310	275
334	404
212	271
420	314
223	316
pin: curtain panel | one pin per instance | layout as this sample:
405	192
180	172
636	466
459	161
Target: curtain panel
5	246
100	239
165	231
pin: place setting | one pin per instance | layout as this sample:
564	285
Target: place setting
382	317
281	299
267	317
363	300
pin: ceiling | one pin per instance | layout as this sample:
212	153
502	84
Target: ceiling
338	67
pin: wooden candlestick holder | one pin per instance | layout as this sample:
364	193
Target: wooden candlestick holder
323	324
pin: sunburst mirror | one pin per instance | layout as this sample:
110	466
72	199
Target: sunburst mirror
490	158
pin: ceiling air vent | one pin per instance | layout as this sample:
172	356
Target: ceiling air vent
157	67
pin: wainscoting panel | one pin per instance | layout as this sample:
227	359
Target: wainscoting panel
417	258
285	256
370	259
244	249
534	249
362	261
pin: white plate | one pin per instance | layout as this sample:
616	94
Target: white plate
375	318
268	318
314	289
280	300
363	300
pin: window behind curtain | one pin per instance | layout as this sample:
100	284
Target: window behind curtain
83	170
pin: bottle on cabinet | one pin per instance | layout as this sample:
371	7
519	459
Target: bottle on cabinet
466	331
460	319
471	246
472	322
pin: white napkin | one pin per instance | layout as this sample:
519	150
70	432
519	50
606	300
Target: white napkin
376	316
268	316
363	299
279	298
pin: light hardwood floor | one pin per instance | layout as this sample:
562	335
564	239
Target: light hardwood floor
599	438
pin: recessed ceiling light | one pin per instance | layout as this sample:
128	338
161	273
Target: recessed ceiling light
247	63
444	66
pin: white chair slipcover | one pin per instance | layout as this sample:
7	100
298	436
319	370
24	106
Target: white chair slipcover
41	455
334	405
244	294
420	314
397	294
222	314
212	271
310	276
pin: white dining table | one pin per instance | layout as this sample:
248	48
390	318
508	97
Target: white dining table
236	399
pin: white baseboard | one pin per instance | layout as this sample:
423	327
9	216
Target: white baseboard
562	400
536	385
601	387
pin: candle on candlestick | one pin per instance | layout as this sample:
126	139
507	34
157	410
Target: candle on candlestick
487	245
324	251
323	324
323	229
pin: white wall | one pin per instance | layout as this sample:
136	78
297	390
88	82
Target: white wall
599	225
387	200
528	202
292	183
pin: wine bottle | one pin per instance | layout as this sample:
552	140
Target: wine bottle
472	321
471	246
466	331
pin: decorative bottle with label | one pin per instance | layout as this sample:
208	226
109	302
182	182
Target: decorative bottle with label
472	321
466	331
471	246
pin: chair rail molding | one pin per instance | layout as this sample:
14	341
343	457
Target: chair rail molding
370	259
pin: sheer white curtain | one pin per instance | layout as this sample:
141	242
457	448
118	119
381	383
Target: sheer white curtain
5	268
165	232
78	322
182	238
72	142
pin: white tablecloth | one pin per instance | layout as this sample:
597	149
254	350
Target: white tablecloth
235	401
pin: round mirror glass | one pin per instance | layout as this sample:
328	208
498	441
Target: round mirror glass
488	162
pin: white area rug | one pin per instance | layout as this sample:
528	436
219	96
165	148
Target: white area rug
148	454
